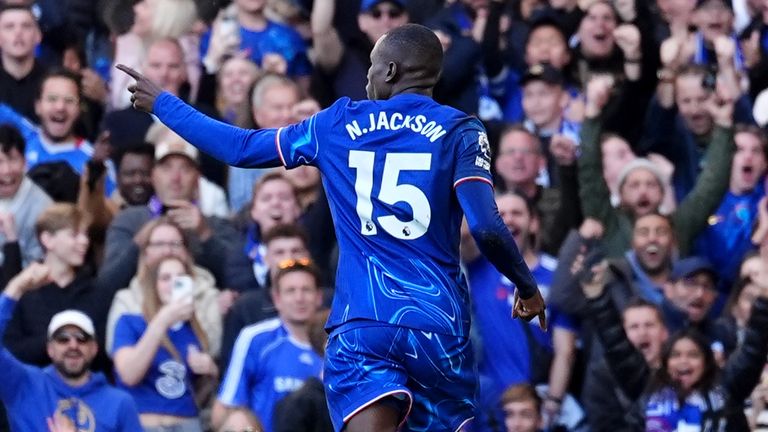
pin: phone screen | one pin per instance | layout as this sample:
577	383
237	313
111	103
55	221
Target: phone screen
182	288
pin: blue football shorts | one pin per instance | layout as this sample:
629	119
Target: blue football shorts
433	376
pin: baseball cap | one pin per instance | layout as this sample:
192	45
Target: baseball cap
542	72
368	5
169	147
726	3
71	317
690	266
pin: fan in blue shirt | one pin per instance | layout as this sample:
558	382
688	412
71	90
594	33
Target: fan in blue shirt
58	107
66	390
398	171
272	358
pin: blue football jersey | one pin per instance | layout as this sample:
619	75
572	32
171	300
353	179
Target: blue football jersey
266	365
167	386
388	167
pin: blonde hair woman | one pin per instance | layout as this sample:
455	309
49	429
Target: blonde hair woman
161	351
153	20
164	238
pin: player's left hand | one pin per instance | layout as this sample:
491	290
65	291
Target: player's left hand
143	92
528	309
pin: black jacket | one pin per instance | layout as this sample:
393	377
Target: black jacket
737	380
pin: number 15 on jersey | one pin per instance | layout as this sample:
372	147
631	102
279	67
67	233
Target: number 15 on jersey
391	193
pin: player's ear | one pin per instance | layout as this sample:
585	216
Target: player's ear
391	72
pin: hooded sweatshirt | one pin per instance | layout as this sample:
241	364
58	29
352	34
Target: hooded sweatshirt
31	395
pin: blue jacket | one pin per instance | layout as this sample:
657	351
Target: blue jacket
31	394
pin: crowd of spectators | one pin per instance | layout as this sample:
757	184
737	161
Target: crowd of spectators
629	149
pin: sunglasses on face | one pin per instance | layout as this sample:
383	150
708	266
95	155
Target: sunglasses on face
391	13
291	263
64	338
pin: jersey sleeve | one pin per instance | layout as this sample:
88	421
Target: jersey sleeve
245	148
474	155
297	144
126	334
234	387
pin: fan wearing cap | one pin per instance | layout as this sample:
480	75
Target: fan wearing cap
693	288
180	193
66	392
544	103
641	187
343	66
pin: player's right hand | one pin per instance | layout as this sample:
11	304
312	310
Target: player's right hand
143	91
528	309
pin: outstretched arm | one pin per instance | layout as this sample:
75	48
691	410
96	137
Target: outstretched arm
247	148
496	242
14	372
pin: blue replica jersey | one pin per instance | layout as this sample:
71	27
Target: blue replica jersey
75	153
266	365
31	395
388	166
728	236
492	300
275	38
167	385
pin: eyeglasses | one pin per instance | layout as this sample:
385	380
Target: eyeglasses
292	263
64	338
169	244
391	13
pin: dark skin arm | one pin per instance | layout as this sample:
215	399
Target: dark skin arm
144	92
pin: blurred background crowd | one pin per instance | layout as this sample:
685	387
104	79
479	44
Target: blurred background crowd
629	152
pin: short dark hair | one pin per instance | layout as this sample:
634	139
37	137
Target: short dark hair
60	72
144	149
10	138
657	213
270	176
755	131
18	7
639	302
285	231
421	51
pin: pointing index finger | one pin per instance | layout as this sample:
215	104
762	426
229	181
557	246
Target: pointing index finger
130	71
